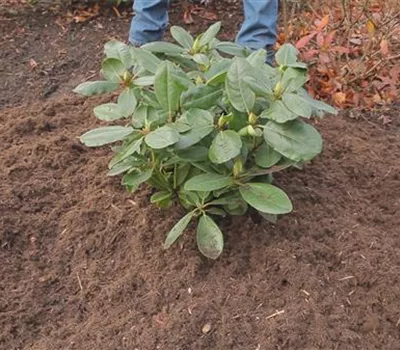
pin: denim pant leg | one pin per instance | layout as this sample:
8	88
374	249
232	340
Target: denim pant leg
150	21
259	27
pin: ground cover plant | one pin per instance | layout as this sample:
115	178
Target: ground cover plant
206	123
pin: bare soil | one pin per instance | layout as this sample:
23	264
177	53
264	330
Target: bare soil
82	265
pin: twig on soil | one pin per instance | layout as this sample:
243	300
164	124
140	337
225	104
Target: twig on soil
277	313
346	278
79	281
398	323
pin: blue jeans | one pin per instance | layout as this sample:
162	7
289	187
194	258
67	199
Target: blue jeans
258	29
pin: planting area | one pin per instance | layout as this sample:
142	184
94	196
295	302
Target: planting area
81	260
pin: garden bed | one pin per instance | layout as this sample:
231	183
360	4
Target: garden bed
82	263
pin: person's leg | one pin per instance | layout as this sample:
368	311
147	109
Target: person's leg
150	21
259	27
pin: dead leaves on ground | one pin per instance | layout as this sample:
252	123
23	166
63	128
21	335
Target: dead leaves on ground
353	52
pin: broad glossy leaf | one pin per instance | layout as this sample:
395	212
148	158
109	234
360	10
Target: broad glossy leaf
201	59
266	198
232	49
146	59
108	112
278	112
104	135
207	182
202	123
297	104
194	154
126	151
162	47
318	105
134	179
210	240
120	51
217	72
240	95
119	169
201	96
257	58
144	81
177	230
225	146
182	37
90	88
168	92
258	85
162	199
113	69
265	156
286	55
210	34
145	115
216	211
127	102
162	137
293	79
295	140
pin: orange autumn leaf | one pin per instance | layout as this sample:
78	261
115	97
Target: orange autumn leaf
323	23
371	27
339	98
384	46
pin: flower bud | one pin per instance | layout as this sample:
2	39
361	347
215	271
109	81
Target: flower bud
278	90
237	167
252	118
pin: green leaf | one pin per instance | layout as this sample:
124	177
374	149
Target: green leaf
286	55
162	137
144	81
210	34
266	198
278	112
293	79
182	37
104	135
232	49
265	156
134	179
90	88
168	92
259	85
207	182
182	173
318	105
119	169
162	199
202	123
225	146
216	211
113	69
201	96
239	93
194	154
127	102
210	240
217	72
162	47
233	198
257	58
297	104
201	59
178	229
146	59
295	140
120	51
126	151
108	112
